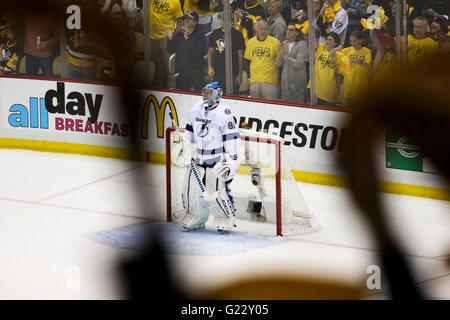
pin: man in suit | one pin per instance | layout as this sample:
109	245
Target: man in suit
293	53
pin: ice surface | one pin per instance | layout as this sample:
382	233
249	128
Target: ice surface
178	241
67	220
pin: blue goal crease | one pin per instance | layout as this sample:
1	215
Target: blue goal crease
175	240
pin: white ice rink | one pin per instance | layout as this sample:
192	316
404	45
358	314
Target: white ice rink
52	206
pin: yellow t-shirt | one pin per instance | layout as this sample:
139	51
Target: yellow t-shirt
419	48
384	66
262	56
325	75
188	6
163	14
356	77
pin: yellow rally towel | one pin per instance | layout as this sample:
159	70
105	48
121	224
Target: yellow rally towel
376	22
304	27
342	62
330	12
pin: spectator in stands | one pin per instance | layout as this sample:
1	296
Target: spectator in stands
293	54
81	51
333	18
262	51
355	10
82	45
327	87
355	68
202	7
301	17
246	12
390	12
439	26
419	43
165	18
189	46
123	18
317	7
432	7
288	9
385	63
277	25
383	59
216	55
12	46
41	35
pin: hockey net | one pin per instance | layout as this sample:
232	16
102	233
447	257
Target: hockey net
275	199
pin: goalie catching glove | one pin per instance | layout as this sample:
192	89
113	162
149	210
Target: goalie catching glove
226	168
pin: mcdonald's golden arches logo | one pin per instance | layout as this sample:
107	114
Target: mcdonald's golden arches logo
160	112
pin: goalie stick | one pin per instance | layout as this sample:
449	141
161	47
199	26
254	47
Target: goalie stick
205	194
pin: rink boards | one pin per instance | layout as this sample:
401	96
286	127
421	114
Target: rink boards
87	118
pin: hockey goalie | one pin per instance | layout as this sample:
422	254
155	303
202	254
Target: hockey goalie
209	152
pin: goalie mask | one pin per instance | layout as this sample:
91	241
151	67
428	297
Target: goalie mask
212	93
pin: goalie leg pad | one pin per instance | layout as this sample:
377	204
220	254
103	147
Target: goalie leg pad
191	222
222	207
224	223
196	207
197	220
188	221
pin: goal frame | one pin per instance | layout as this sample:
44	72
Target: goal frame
278	190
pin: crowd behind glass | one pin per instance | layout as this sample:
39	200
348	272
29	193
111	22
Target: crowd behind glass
354	43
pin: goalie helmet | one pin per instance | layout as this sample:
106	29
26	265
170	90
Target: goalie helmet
212	93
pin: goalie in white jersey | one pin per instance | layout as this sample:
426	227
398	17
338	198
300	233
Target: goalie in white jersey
211	139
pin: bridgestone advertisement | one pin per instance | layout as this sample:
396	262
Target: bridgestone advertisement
89	115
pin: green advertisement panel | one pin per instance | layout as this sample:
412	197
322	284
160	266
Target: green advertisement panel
402	153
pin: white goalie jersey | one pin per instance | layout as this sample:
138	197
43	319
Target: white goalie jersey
214	133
